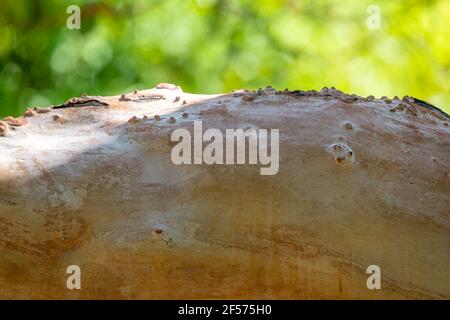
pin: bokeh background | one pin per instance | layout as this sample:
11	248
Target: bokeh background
211	46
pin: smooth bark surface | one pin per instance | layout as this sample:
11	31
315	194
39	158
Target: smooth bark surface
91	183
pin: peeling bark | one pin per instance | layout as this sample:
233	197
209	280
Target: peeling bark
362	181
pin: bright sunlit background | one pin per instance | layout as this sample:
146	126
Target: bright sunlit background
211	46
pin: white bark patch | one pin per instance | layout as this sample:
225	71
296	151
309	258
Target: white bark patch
67	199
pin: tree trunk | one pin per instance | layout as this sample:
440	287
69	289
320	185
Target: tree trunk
91	182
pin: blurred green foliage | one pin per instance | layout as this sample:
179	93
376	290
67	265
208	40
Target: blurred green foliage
210	46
